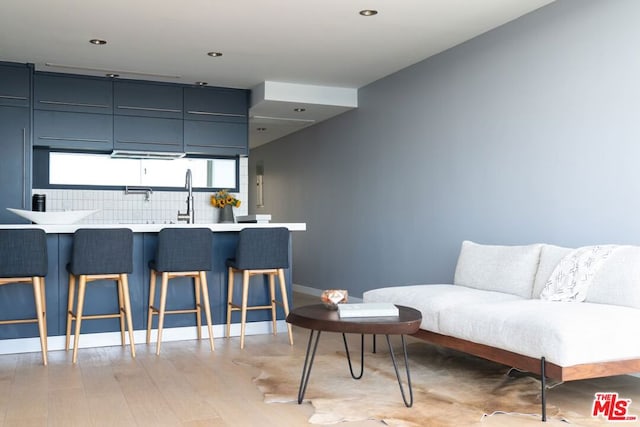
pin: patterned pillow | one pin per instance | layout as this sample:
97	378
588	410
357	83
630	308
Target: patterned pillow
571	278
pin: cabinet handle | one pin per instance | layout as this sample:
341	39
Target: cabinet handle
130	141
24	168
74	104
208	113
161	110
21	98
57	138
214	145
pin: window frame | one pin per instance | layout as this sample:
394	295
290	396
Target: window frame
41	173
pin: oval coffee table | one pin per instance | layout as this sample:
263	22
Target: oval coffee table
319	319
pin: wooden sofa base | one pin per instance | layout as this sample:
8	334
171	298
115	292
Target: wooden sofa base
530	364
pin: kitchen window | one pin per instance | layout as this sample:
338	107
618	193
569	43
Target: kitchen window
90	170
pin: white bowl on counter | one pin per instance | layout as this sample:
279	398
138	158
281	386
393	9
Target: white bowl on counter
59	217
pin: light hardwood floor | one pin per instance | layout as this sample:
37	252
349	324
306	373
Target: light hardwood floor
187	385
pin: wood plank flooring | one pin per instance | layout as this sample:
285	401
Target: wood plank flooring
187	385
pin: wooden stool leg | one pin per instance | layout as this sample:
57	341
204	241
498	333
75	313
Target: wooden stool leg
81	290
121	311
124	280
163	302
272	292
243	312
70	298
196	290
152	297
37	294
207	308
285	301
229	301
44	313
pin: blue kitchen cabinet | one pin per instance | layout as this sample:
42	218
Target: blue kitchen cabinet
75	131
148	99
15	85
216	104
216	121
15	162
73	93
216	138
147	134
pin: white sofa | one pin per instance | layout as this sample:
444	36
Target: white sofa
493	310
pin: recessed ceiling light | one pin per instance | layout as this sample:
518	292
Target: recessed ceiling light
202	83
97	41
368	12
299	110
112	75
214	54
261	129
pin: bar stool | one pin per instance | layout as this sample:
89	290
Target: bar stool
182	252
23	259
100	254
260	251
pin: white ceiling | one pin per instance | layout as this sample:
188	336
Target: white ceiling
310	42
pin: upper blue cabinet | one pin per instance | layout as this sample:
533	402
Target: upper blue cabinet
73	93
216	121
15	85
216	104
147	99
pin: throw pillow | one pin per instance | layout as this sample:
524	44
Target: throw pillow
571	278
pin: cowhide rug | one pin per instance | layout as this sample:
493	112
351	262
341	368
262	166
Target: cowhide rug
449	388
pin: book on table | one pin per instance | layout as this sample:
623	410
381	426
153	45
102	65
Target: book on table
368	309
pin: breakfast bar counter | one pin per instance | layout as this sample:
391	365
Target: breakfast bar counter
17	301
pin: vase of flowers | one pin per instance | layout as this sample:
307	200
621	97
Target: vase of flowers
225	201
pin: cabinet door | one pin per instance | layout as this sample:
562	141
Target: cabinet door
216	138
216	104
15	162
81	131
147	134
14	85
148	100
73	93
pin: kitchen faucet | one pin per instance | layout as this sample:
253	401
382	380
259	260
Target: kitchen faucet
188	215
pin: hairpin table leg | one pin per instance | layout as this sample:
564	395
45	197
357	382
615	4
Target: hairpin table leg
406	365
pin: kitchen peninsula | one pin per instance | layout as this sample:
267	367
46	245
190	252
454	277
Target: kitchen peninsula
18	301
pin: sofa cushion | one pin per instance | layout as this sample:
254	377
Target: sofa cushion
565	333
618	280
509	269
431	299
550	256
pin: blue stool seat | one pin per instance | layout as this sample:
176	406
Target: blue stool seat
260	251
100	254
181	252
23	259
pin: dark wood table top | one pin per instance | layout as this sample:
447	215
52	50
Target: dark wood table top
320	318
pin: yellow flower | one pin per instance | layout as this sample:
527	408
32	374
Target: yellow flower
223	198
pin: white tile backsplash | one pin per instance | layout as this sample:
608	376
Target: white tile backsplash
161	208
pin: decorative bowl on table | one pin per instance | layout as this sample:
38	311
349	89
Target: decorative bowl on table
59	217
332	297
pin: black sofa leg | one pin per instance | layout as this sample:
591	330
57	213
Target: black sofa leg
543	397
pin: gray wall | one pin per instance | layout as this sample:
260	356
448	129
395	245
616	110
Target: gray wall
528	133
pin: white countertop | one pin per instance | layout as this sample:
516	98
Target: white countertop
154	228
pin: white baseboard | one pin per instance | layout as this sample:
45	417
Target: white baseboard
107	339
